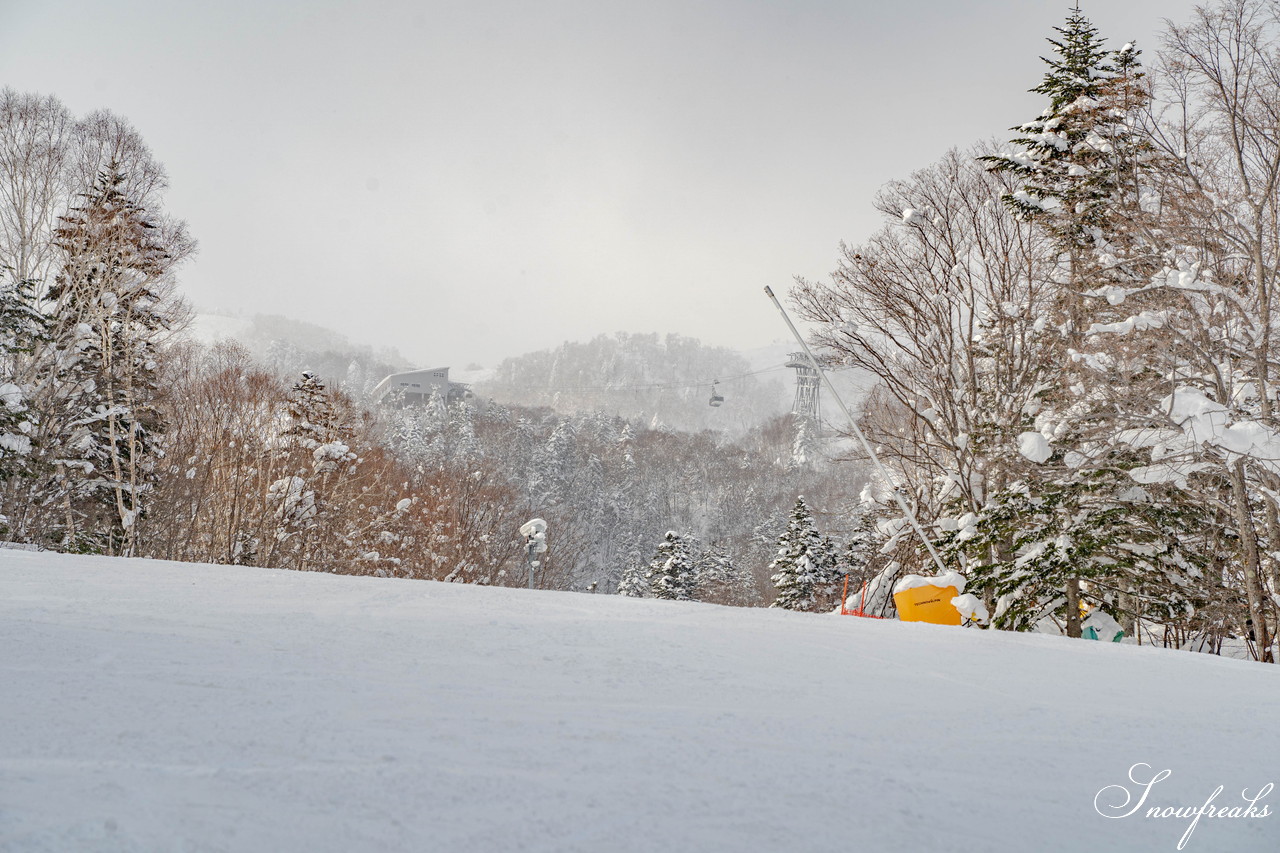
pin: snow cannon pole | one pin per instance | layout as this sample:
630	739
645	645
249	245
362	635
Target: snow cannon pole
884	473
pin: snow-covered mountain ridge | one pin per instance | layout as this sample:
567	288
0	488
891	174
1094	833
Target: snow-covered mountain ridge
153	705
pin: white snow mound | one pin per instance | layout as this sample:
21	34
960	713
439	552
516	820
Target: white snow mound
1034	446
941	581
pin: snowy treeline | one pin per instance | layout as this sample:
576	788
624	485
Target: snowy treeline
683	570
661	380
808	570
1072	333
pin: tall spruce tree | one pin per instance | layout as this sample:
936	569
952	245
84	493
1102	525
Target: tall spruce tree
1081	165
112	309
1061	155
1070	525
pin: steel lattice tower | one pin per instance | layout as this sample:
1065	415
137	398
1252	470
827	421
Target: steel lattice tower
808	393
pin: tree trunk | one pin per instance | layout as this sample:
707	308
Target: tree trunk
1252	575
1073	608
1270	563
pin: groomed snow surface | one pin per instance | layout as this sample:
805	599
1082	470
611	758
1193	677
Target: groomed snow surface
153	706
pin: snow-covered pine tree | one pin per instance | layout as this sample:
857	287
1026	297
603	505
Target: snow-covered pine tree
635	581
466	448
1074	516
22	326
671	573
862	545
1083	167
112	307
620	508
313	421
803	572
1080	159
830	578
1140	557
744	592
558	464
721	580
307	531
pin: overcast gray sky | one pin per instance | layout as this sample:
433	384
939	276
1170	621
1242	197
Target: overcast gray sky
470	180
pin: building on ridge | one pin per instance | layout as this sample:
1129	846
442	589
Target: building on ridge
414	387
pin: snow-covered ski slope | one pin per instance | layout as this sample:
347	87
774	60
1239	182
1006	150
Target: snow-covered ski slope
149	706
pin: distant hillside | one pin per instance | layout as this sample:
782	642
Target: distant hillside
664	379
289	347
658	379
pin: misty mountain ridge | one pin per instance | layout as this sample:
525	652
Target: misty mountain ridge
660	380
288	347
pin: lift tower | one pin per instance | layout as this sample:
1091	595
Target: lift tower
808	400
